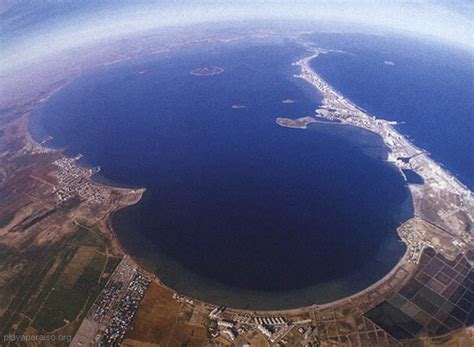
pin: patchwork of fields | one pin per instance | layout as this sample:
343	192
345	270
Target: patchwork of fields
55	284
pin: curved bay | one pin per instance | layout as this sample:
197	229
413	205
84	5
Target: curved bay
238	210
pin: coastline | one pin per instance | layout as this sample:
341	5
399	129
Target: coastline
126	196
298	123
436	234
336	107
407	262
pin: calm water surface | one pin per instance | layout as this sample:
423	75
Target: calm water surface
238	210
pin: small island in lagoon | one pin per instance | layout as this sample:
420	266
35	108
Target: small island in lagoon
207	71
298	123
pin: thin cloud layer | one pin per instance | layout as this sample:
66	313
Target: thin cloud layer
32	31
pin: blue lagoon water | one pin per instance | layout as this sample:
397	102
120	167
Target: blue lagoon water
238	210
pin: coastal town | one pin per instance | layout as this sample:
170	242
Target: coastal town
75	180
112	313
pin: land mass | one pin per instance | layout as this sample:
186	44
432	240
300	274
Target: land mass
238	107
207	71
298	123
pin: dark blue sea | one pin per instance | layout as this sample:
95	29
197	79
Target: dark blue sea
429	87
238	210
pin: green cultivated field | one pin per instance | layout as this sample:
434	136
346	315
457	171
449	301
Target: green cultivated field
55	285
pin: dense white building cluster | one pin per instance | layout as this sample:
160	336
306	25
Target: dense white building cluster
113	292
274	328
125	312
111	314
74	180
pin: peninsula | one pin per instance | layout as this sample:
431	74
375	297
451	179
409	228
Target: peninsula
444	207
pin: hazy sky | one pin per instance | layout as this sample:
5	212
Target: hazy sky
33	29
